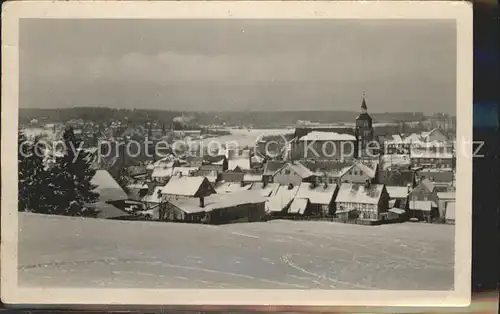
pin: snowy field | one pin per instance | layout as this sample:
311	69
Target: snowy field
74	252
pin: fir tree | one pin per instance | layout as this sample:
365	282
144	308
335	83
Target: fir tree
72	179
34	179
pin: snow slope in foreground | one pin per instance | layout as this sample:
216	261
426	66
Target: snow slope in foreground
74	252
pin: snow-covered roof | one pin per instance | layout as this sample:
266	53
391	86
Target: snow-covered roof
281	197
298	206
358	193
183	185
264	190
326	136
450	211
397	191
415	154
107	187
446	195
161	172
257	159
217	201
185	171
242	163
398	211
251	177
370	172
231	187
391	160
320	194
301	170
137	186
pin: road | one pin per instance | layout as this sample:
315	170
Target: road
91	253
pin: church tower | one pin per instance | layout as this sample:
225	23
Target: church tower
364	129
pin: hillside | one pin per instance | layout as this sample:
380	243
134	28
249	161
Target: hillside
75	252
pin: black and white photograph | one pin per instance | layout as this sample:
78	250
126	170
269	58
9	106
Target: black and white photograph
237	153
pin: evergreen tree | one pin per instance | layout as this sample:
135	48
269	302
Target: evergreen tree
34	179
72	179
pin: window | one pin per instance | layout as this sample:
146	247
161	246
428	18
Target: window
287	171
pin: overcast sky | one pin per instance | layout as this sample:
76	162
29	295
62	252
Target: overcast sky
239	64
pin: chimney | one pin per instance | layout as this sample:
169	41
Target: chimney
367	184
202	202
265	181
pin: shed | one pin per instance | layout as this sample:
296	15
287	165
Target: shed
444	198
450	213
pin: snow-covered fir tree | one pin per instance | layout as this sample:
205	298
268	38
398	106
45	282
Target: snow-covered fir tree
73	179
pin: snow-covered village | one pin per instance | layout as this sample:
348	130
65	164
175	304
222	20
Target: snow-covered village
160	162
340	174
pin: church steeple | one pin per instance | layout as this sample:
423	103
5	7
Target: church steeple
364	108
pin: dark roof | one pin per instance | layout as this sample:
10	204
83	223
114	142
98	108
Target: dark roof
364	116
436	175
396	177
272	166
108	211
136	193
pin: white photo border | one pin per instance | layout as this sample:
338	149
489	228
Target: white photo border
14	10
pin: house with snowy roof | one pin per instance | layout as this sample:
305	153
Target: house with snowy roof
181	186
364	201
360	173
161	174
423	201
245	206
293	173
280	199
450	213
398	196
320	199
444	198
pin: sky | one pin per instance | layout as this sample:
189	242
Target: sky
213	65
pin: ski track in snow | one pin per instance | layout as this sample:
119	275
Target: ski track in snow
277	254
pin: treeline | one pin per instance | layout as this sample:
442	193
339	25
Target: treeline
65	188
255	118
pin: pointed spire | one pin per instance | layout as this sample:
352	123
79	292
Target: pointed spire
364	108
363	104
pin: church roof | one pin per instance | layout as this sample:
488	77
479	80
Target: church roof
363	104
364	116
